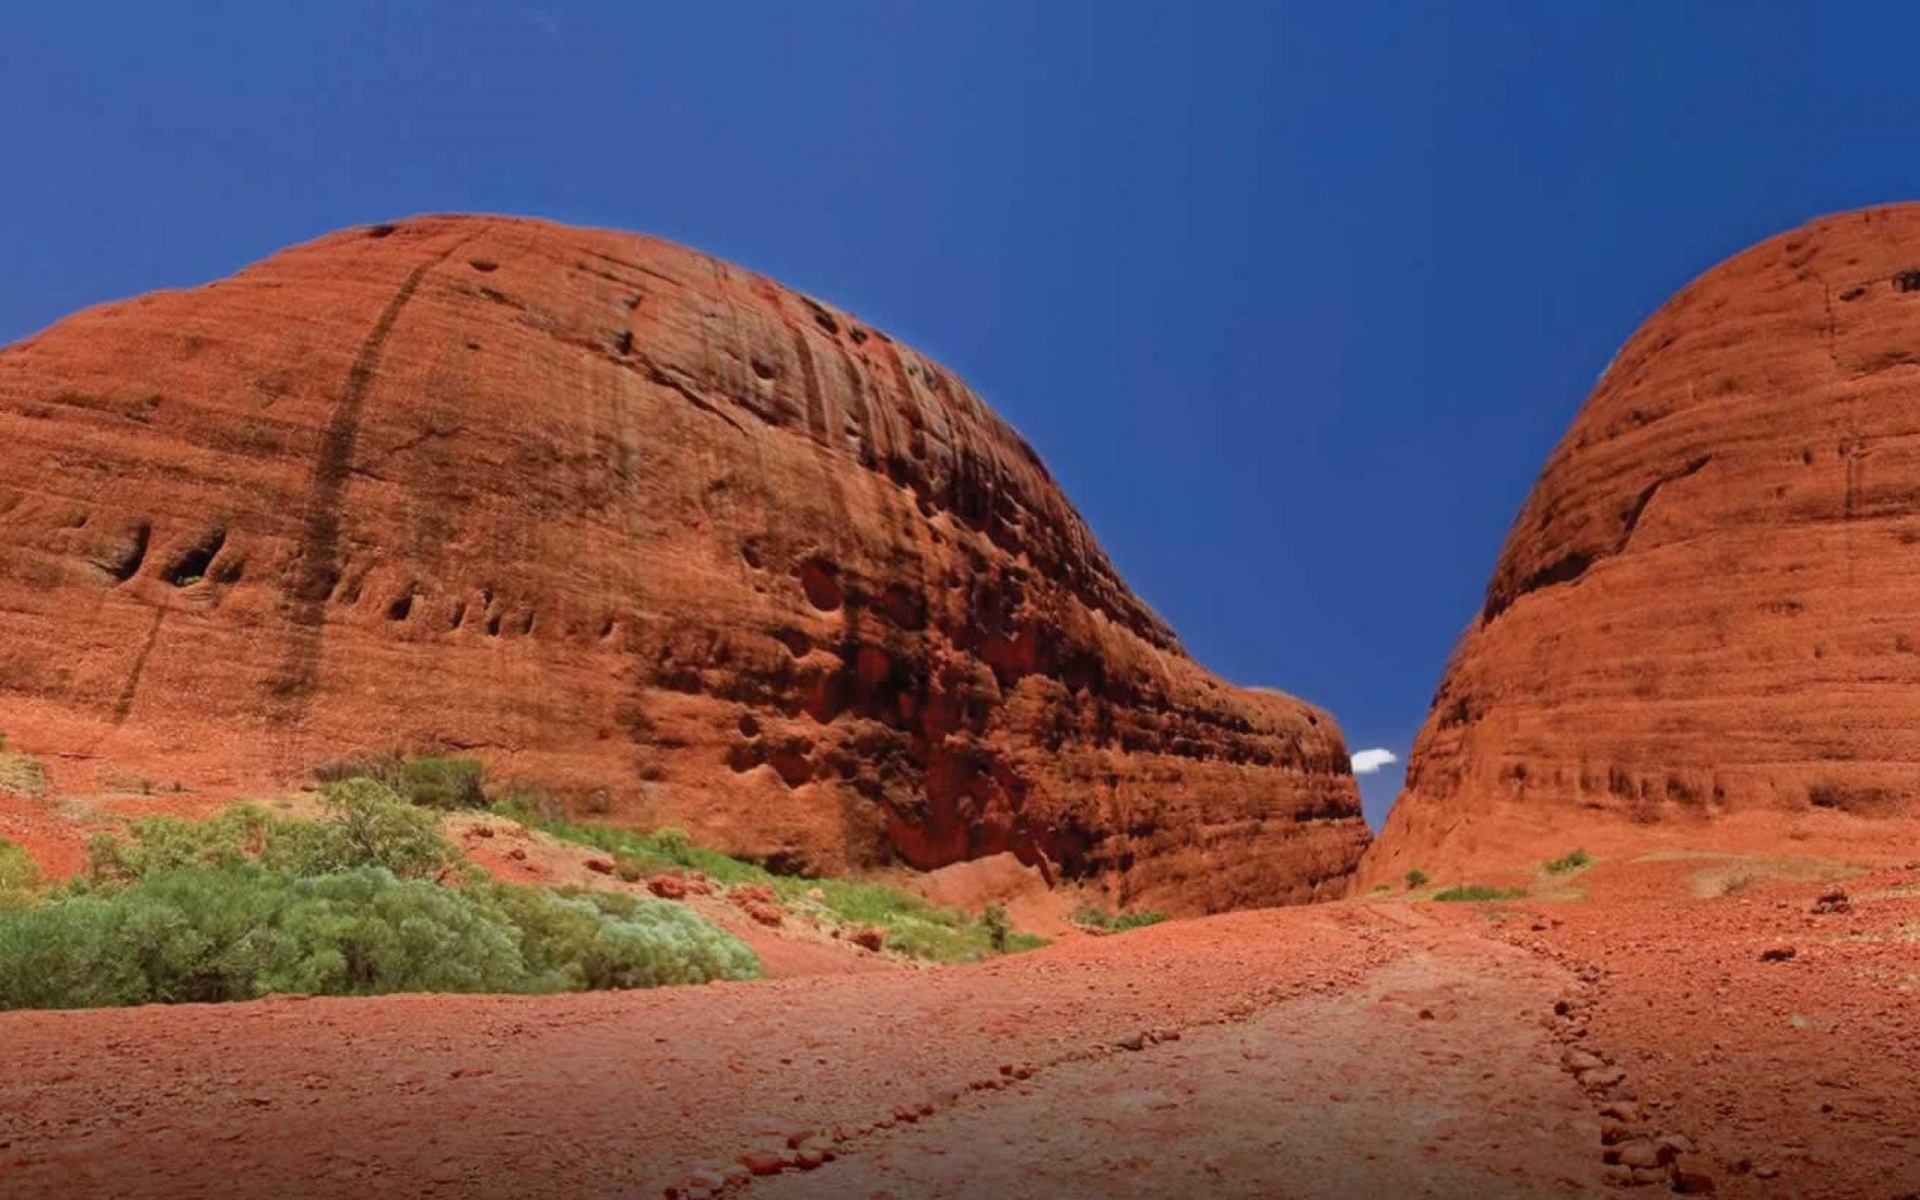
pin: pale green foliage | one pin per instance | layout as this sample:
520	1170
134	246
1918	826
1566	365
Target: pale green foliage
999	927
371	827
21	773
1474	893
914	927
250	903
663	850
444	782
1120	922
367	826
1569	862
17	871
598	940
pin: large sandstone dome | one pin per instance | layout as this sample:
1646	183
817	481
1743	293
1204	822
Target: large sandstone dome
641	529
1708	612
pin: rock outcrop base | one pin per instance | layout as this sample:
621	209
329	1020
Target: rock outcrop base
1709	606
646	532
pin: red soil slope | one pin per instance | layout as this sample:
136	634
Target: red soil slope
1710	604
639	528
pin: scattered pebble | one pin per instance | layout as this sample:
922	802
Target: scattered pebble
1835	901
1578	1060
763	1162
1600	1078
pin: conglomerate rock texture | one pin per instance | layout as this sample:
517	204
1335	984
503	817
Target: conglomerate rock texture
1709	607
641	529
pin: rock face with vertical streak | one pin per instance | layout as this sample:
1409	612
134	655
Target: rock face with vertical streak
1708	610
643	530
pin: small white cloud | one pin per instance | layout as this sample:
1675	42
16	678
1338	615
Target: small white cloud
1369	761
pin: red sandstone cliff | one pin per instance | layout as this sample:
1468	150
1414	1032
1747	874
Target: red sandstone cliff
1708	612
636	526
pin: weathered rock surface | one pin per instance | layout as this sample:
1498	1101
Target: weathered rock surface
638	527
1709	607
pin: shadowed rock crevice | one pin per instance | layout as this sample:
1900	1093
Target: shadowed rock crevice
315	572
192	564
1575	563
123	559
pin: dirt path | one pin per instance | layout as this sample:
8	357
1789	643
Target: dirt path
1435	1078
1300	1050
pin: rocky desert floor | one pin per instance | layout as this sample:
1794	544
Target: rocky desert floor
1701	1023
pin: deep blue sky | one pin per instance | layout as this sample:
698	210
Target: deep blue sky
1293	298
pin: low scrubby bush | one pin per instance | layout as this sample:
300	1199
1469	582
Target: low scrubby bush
1120	922
913	927
594	940
382	766
444	783
362	903
651	853
1416	879
17	871
999	927
21	773
1474	892
234	933
367	826
1569	862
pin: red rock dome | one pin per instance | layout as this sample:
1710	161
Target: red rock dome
644	530
1708	611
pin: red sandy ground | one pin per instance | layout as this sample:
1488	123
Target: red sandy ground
1360	1048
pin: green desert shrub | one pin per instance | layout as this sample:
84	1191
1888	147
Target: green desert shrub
157	845
176	937
1416	879
1475	892
999	927
17	872
652	853
370	827
444	783
383	766
675	844
365	931
204	934
367	825
595	940
914	927
1098	918
234	933
1569	862
21	773
251	903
